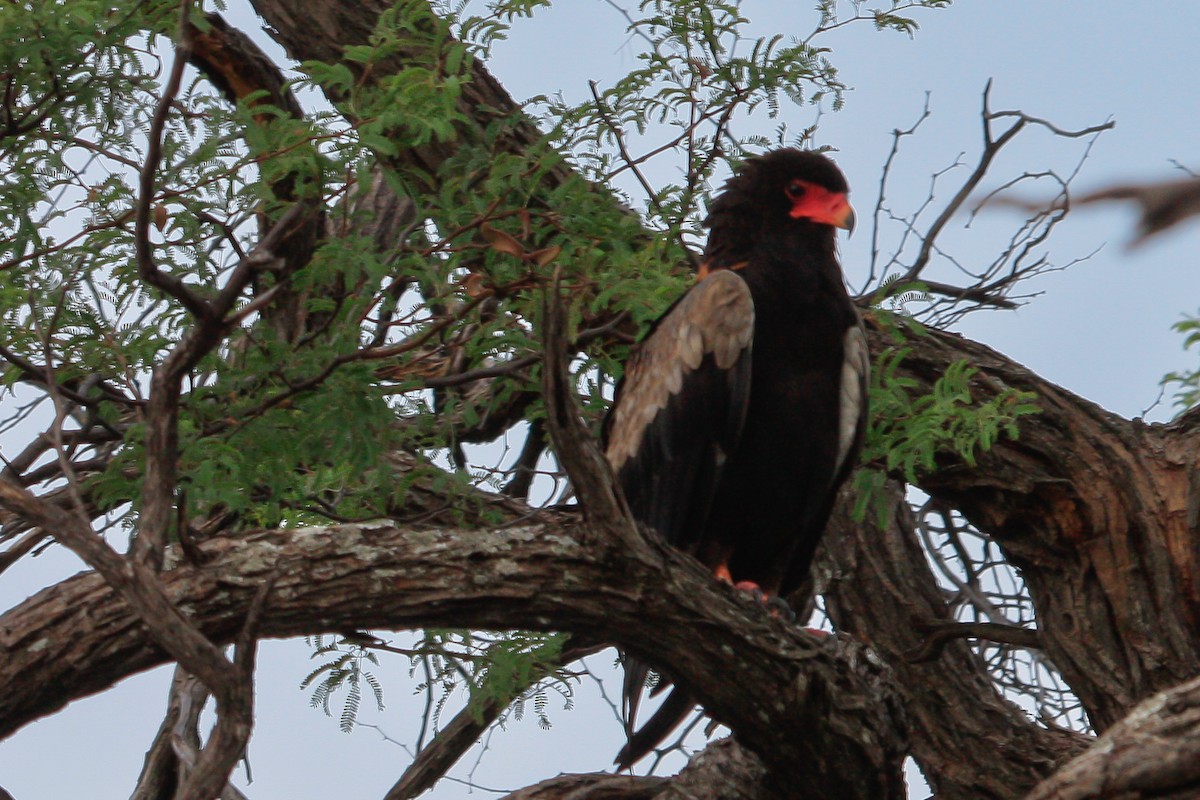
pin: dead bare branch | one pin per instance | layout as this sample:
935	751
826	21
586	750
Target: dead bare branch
1161	206
988	285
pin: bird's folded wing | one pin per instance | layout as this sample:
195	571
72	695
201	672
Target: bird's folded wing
681	405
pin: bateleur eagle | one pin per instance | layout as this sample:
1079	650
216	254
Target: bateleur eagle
742	411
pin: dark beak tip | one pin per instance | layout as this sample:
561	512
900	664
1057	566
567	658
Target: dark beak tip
848	222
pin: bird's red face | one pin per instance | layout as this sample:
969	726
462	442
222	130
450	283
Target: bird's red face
816	203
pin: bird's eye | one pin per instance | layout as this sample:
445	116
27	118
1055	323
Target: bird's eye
795	190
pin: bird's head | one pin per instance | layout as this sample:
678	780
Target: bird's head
786	184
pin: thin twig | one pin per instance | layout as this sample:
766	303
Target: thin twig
942	632
147	269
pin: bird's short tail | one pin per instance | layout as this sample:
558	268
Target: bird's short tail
641	742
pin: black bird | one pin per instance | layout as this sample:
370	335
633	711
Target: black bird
743	410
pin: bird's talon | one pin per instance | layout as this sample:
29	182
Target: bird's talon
778	608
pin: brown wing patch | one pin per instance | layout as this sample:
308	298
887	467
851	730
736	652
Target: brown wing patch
716	316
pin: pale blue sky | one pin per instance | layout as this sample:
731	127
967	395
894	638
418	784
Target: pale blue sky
1102	328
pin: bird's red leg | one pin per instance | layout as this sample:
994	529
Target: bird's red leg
722	573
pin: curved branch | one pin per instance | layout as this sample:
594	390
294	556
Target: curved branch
828	703
171	285
1094	510
939	633
721	771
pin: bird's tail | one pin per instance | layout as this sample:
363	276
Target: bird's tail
641	742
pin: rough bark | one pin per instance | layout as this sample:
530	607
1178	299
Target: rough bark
176	748
1099	513
1153	753
321	32
722	771
835	727
592	786
878	587
98	641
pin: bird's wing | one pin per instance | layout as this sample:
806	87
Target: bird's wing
852	401
680	407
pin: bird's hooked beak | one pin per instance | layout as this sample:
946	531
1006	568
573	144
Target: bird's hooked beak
845	218
821	205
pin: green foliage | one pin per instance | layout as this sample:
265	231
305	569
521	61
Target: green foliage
910	430
891	18
401	108
482	31
264	431
515	663
519	670
528	660
700	73
1187	382
344	669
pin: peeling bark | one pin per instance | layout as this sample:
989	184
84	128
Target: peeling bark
1154	753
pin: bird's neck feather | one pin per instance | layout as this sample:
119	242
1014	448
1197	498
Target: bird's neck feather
737	240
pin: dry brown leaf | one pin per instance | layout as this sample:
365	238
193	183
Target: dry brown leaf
501	242
546	255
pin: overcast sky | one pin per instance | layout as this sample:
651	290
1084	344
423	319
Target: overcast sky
1102	329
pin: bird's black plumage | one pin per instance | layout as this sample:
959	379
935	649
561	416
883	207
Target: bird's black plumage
742	411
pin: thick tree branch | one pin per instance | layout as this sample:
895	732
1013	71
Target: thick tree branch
138	586
593	786
591	476
1099	513
830	702
1152	754
176	747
